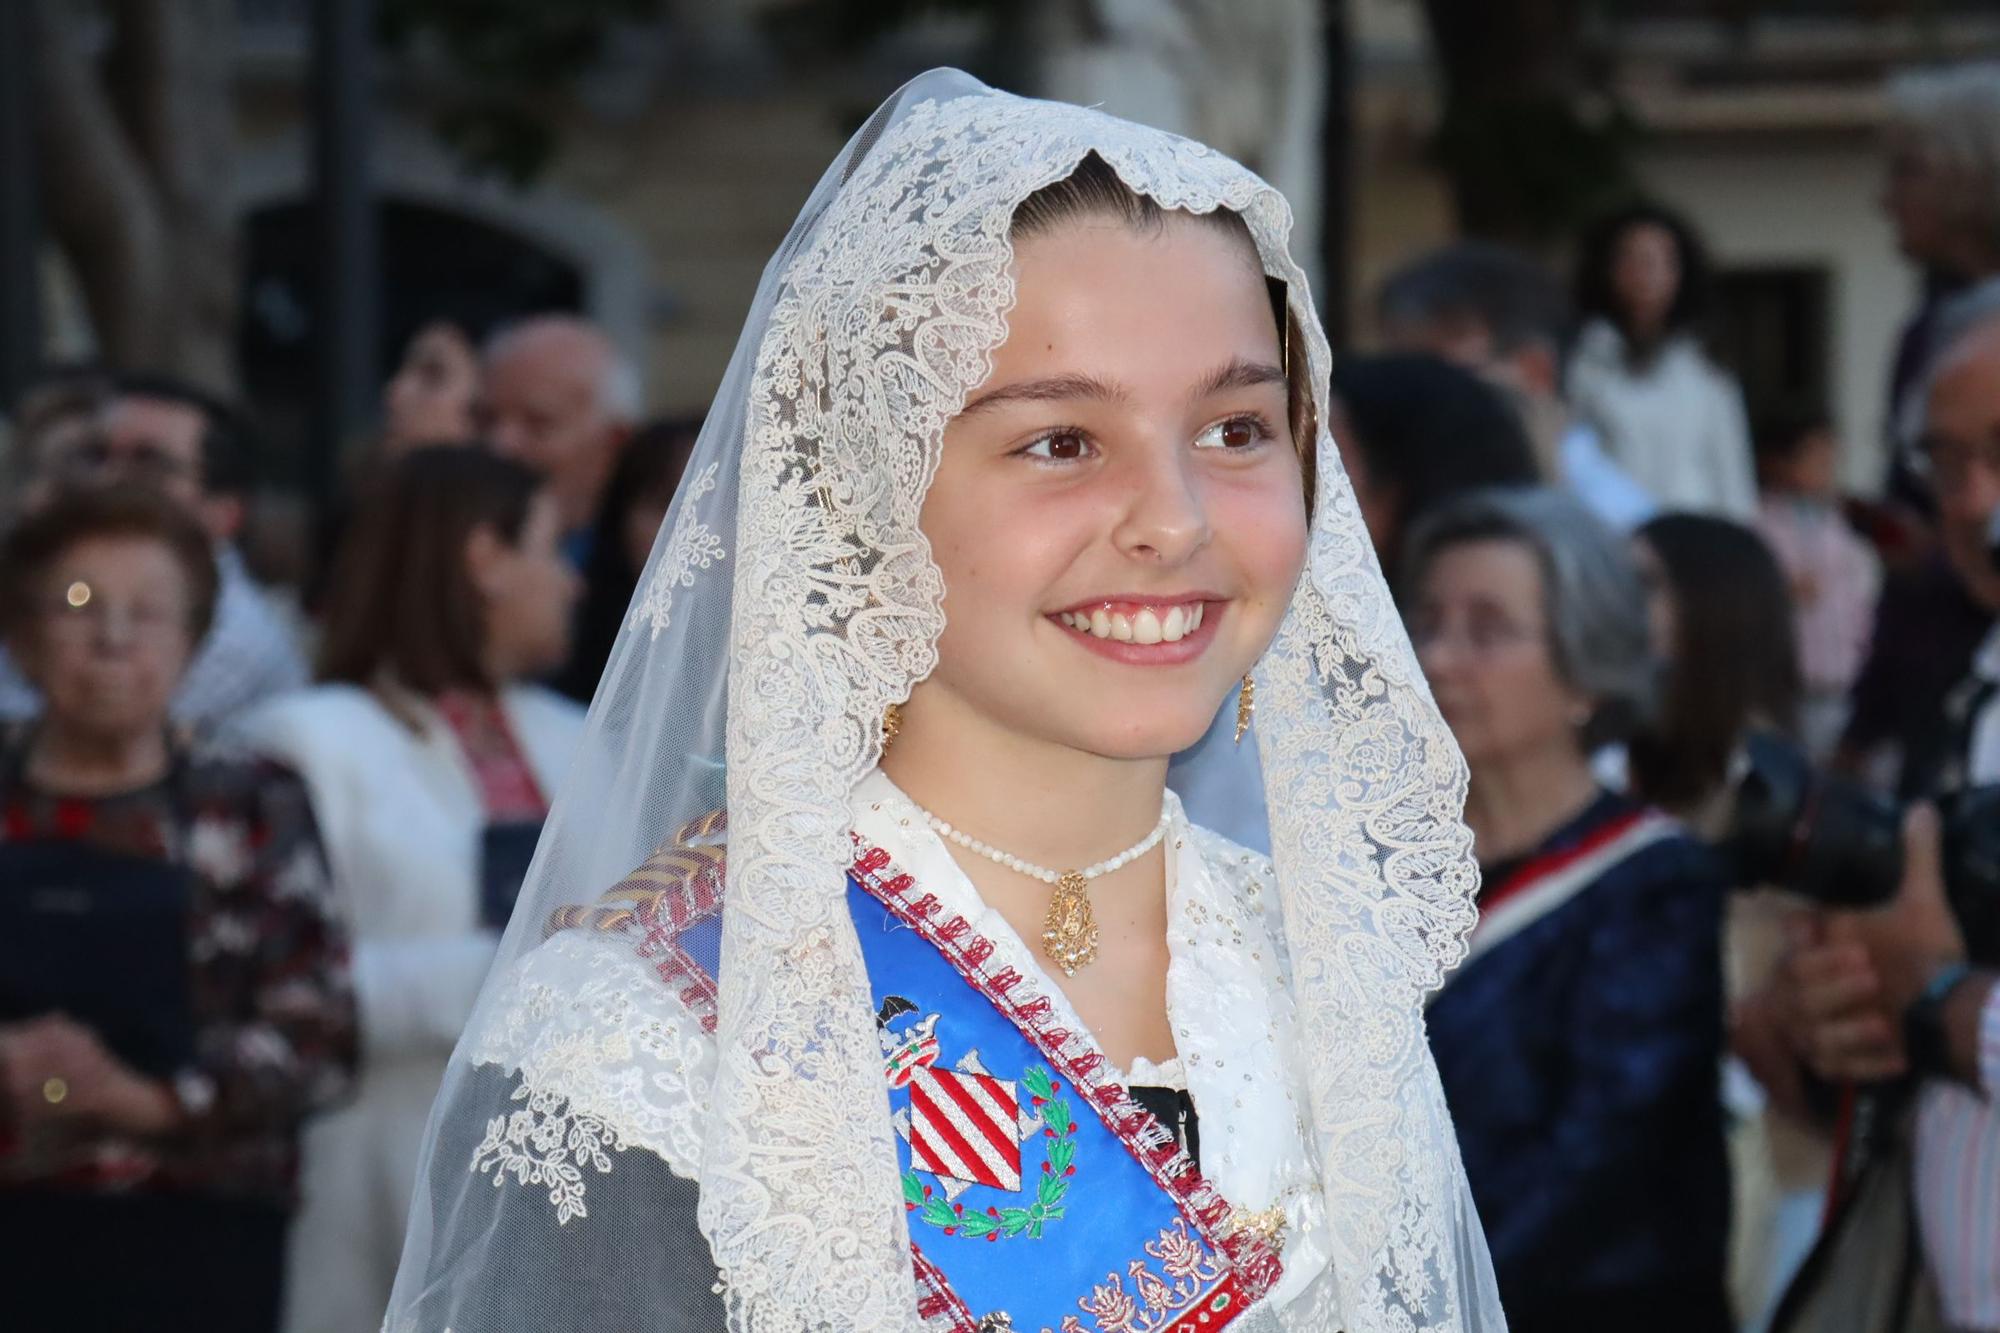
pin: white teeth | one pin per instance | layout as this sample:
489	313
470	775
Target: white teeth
1146	626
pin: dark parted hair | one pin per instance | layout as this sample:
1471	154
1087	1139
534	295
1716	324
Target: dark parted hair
649	469
401	601
1430	430
1736	663
1596	294
1095	190
1509	294
122	511
229	442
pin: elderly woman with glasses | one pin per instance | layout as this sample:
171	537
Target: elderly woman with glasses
174	993
1580	1043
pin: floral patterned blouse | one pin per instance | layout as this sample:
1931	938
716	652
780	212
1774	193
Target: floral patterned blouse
270	993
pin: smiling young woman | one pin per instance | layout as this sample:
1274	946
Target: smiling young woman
926	1006
1119	519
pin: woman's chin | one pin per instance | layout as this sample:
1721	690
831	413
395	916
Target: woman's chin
107	707
1155	737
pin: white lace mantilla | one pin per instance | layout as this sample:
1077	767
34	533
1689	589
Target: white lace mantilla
607	1057
692	547
876	320
889	320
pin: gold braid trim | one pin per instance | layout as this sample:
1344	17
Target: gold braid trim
679	883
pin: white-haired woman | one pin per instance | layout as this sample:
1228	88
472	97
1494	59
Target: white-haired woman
1580	1045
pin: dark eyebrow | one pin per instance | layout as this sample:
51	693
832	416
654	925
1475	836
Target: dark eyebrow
1238	374
1052	388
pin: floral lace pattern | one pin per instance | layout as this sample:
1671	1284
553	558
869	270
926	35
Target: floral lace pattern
606	1058
888	320
884	311
692	547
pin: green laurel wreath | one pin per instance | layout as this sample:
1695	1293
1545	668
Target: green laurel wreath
1059	1127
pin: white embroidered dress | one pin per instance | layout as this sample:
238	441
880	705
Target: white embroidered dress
581	1000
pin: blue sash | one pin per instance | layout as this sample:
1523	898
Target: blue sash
1036	1188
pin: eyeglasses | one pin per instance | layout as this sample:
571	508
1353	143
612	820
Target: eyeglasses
1479	636
1950	462
148	462
81	613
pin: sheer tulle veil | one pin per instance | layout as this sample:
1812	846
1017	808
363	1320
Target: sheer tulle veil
789	599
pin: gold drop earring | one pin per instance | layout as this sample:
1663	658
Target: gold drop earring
1246	707
892	725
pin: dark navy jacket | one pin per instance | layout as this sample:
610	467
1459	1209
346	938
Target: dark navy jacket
1581	1058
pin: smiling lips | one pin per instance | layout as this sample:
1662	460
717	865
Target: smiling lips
1139	624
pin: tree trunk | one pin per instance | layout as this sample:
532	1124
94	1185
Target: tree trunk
136	150
1335	292
1524	165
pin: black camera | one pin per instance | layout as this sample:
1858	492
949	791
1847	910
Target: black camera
1830	839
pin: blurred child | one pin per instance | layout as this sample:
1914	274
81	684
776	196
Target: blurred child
1833	573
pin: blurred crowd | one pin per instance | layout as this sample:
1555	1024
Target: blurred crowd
1625	590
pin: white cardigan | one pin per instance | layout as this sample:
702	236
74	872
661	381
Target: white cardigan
1676	425
400	814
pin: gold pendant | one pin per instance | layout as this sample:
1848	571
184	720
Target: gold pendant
1069	931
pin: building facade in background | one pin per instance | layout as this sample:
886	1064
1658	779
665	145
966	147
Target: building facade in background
684	155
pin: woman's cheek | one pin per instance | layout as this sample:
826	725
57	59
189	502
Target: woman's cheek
1268	529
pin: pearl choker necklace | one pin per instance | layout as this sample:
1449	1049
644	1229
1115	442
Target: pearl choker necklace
1069	930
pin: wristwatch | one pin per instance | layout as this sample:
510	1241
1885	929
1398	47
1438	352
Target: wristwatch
195	1091
1923	1023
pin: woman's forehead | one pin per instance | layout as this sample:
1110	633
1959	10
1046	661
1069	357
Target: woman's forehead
127	563
1221	235
1115	295
1499	567
127	551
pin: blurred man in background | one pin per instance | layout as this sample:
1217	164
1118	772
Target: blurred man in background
556	394
1500	314
194	449
53	416
1941	192
1877	995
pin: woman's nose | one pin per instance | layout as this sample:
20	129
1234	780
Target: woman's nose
1437	653
111	629
1167	519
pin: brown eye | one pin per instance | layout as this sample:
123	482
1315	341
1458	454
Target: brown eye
1060	446
1235	433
